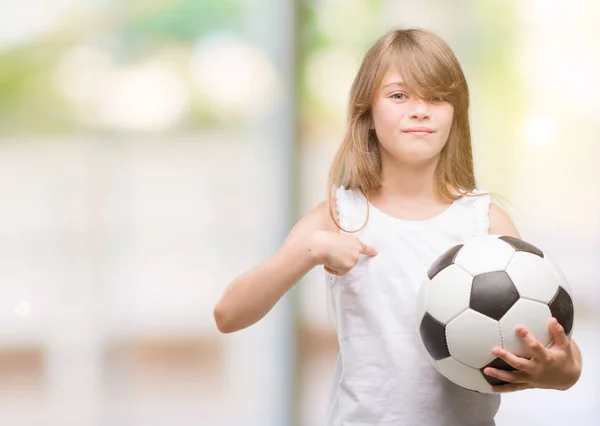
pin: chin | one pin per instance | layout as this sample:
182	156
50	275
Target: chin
419	161
413	151
418	156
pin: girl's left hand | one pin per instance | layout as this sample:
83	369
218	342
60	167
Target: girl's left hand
554	367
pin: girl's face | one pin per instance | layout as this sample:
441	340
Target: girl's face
410	130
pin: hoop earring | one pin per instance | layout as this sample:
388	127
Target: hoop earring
350	231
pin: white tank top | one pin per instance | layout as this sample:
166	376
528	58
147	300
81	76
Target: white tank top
382	376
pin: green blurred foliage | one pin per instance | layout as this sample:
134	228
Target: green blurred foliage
313	37
492	60
31	101
175	22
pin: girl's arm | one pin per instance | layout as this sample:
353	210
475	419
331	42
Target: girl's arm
557	367
253	294
501	224
314	240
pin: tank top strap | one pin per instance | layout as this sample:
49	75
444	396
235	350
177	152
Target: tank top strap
351	207
477	204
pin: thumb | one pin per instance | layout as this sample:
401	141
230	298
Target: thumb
368	250
558	333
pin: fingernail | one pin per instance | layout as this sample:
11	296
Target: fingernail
498	351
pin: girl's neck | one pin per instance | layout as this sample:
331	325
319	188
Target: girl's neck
409	183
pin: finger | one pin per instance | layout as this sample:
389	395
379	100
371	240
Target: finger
511	387
368	250
521	364
331	271
536	348
507	376
558	333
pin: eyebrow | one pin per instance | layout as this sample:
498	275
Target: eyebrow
395	83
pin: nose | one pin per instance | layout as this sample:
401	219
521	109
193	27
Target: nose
420	110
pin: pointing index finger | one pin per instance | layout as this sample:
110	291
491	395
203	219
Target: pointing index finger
368	250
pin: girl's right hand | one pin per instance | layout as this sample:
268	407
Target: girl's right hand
338	253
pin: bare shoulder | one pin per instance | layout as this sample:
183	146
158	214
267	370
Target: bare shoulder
323	215
501	223
318	219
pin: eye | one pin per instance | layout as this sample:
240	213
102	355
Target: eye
399	96
437	99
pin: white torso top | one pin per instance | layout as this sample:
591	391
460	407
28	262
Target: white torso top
382	377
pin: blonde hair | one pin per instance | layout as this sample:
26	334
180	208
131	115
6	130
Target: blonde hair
429	68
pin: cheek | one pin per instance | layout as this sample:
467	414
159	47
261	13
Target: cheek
447	119
387	119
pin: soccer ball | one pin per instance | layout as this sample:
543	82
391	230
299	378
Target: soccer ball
474	296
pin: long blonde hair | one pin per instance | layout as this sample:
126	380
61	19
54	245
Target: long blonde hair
429	68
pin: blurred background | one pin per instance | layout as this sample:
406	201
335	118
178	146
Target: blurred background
151	151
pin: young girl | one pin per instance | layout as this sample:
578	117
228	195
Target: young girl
404	192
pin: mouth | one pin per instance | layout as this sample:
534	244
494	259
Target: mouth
419	131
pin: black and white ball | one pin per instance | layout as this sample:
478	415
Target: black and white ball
474	296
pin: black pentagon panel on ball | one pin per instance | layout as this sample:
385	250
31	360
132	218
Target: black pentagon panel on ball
561	308
520	245
493	294
442	262
433	334
498	364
